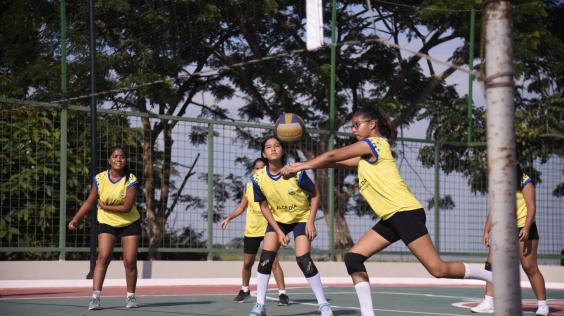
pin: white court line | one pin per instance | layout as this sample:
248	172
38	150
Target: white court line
375	309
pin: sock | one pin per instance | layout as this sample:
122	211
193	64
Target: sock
245	288
364	298
542	303
472	272
96	294
315	284
489	299
129	294
262	286
281	292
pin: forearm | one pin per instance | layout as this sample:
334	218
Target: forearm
269	217
82	211
117	208
530	218
238	211
313	208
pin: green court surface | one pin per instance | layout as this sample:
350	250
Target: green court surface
388	300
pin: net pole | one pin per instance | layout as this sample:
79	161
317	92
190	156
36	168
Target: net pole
63	146
470	74
209	244
93	114
501	157
331	144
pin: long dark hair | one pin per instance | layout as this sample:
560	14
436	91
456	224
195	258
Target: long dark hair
126	167
519	174
385	125
257	161
263	144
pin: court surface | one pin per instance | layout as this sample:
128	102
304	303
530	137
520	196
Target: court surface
217	300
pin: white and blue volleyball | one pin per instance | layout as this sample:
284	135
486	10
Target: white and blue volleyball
289	127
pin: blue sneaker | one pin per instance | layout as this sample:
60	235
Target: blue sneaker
325	309
258	310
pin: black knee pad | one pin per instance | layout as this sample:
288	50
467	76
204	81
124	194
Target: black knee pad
355	262
306	264
488	266
266	261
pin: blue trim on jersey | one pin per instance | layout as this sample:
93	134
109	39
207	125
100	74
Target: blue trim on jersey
110	178
95	182
374	152
527	182
259	196
305	182
132	184
273	177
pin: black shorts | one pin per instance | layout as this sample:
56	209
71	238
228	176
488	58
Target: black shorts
406	225
297	228
251	244
133	229
533	232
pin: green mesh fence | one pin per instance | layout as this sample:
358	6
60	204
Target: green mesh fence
185	207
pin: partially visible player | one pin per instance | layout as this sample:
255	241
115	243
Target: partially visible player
285	204
255	228
114	190
528	246
381	185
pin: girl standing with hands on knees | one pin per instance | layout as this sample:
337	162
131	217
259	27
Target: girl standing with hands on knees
114	192
285	203
381	185
255	228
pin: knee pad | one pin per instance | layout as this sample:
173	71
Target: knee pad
488	266
306	264
266	261
355	262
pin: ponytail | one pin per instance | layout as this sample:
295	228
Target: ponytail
385	126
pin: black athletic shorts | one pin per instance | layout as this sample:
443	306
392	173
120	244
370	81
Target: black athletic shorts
133	229
533	232
297	228
406	225
251	244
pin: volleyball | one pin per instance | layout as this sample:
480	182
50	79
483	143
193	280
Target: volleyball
289	127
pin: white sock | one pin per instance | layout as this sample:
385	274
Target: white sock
245	288
364	296
472	272
315	284
262	286
542	303
489	299
96	294
281	292
130	294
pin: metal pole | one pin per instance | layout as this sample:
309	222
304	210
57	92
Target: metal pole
470	76
437	198
210	192
331	144
93	114
501	156
63	146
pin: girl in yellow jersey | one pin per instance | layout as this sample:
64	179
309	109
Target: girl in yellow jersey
528	246
285	203
380	183
255	228
114	191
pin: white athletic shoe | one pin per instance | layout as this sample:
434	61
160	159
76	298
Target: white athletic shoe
483	308
542	311
325	309
258	310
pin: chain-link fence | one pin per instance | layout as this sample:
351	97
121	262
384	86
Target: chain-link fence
192	173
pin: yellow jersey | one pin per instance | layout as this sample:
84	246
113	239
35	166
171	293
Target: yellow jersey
288	199
255	223
521	205
113	193
380	182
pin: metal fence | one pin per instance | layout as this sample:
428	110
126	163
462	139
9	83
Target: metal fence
34	213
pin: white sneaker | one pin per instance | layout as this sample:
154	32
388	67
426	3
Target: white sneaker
258	310
543	311
483	308
325	309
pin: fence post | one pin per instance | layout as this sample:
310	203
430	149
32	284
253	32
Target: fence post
437	198
210	192
63	146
